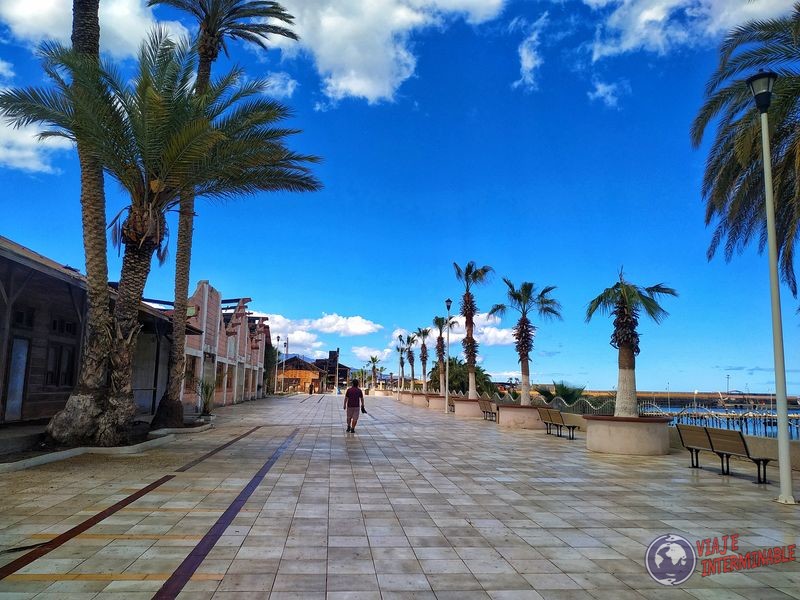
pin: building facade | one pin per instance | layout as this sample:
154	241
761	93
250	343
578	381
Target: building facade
228	351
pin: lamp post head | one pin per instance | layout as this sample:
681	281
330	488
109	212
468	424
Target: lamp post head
279	338
761	85
448	303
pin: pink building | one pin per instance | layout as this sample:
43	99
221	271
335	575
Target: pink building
230	350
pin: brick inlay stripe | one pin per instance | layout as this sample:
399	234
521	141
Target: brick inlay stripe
173	586
26	559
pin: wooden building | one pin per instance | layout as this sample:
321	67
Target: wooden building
42	318
296	374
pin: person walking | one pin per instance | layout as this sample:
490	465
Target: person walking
353	402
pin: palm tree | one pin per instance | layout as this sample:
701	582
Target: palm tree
733	184
525	300
625	301
400	350
411	339
441	323
422	333
72	425
382	370
373	362
459	377
220	144
218	20
470	275
570	394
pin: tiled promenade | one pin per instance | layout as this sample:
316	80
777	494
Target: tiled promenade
416	504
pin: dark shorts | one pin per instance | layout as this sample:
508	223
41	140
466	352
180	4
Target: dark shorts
352	412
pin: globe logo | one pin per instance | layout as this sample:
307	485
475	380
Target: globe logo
670	559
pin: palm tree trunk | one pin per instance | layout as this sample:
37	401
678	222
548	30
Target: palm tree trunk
424	378
413	386
114	425
626	404
473	388
526	381
170	409
441	378
76	423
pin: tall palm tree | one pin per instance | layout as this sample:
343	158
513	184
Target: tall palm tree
526	300
471	275
422	333
221	144
441	323
73	425
733	184
411	339
218	20
400	351
382	370
625	301
374	361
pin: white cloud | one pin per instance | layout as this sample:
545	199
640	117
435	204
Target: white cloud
21	149
365	352
344	325
660	25
608	93
361	48
123	23
281	85
6	70
530	58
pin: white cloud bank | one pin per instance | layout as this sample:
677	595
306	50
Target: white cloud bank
304	333
659	26
21	149
362	48
123	23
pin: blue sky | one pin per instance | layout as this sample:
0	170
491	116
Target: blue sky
546	139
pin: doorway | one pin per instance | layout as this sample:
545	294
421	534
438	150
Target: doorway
17	376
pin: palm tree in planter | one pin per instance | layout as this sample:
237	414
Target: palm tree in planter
526	300
159	140
422	333
441	323
470	276
381	371
626	432
400	351
219	20
411	339
373	362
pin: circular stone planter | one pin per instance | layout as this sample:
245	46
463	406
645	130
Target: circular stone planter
637	436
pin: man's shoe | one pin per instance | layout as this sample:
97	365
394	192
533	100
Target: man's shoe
349	430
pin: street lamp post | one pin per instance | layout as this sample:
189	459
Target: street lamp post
276	363
761	85
285	356
447	303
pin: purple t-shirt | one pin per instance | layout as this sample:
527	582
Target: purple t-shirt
354	396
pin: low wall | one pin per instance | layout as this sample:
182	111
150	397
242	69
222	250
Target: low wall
519	417
436	403
406	398
468	408
760	446
633	436
420	401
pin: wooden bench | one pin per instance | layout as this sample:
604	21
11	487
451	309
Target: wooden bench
726	443
552	418
694	438
489	409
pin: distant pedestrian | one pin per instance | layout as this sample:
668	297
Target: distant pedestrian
353	402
